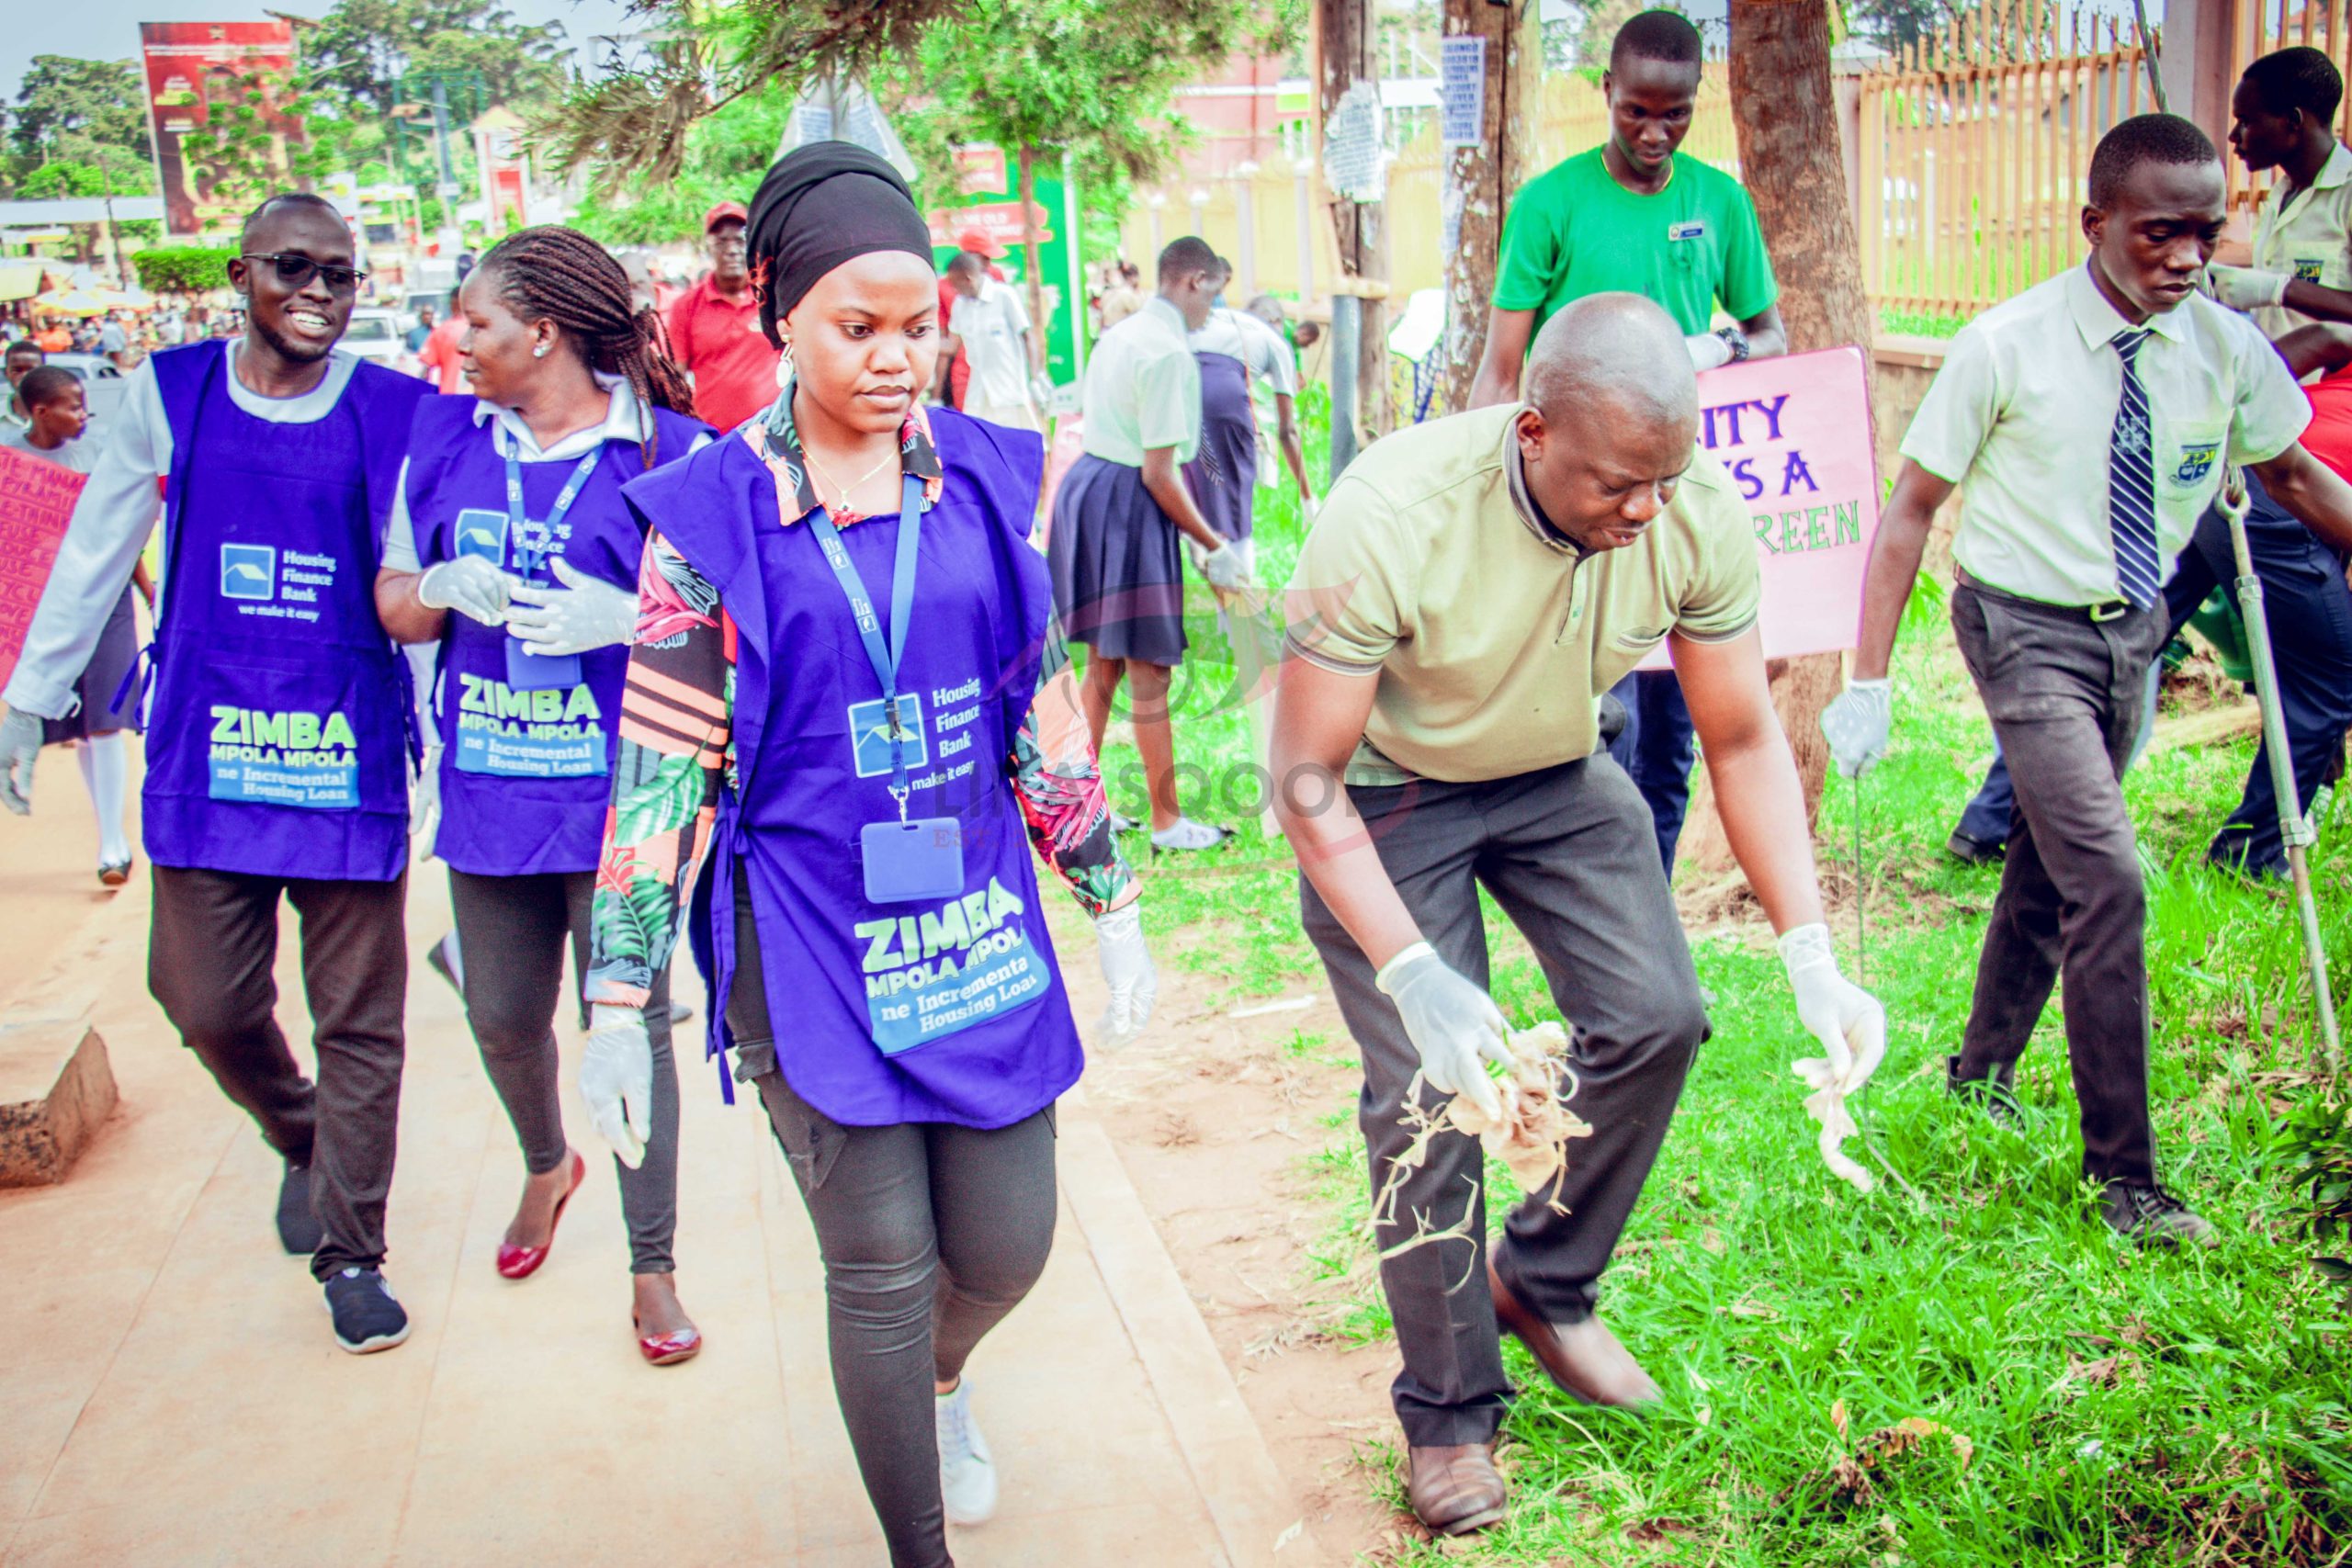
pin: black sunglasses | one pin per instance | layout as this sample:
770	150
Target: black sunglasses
295	271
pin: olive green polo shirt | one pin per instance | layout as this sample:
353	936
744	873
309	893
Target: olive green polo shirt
1492	636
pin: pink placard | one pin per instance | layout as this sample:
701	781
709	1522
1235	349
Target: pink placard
1794	434
36	500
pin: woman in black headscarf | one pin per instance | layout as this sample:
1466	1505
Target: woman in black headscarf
846	697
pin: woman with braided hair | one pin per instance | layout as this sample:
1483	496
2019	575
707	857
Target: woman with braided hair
509	513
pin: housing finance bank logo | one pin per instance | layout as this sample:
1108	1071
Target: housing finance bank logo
248	571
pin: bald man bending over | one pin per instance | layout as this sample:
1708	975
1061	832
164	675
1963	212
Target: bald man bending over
1471	586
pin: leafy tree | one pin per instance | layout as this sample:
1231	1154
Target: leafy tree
76	111
725	153
362	51
237	155
183	269
61	178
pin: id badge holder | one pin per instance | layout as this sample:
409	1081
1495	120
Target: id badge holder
909	861
528	671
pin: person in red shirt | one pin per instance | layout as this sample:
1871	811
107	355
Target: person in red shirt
715	330
976	240
440	353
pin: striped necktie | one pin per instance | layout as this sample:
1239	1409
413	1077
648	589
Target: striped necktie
2130	481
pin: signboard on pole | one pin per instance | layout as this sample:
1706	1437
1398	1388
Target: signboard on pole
1794	436
989	202
218	97
1462	90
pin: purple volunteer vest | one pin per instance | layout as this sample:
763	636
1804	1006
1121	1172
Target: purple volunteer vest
941	1011
524	774
278	724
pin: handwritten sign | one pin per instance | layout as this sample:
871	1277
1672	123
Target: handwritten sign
1462	90
36	499
1794	436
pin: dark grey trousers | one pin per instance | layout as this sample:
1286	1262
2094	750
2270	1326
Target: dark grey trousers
931	1234
2065	696
211	945
512	930
1571	854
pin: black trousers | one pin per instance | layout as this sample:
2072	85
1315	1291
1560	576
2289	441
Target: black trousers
512	931
211	951
931	1234
2065	696
1571	854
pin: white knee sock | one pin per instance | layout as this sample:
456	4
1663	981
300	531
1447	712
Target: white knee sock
106	769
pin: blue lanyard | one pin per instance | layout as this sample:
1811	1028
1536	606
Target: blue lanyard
885	657
527	558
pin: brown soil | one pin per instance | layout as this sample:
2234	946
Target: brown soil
1217	1122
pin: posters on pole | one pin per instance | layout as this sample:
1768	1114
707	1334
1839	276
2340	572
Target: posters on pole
1354	153
1794	436
219	113
1462	90
990	201
36	500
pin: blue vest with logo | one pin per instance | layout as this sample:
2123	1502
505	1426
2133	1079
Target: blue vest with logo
279	711
524	774
949	1009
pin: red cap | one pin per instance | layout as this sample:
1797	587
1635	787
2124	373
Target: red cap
976	240
723	211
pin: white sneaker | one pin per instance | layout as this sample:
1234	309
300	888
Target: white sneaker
1188	834
966	1473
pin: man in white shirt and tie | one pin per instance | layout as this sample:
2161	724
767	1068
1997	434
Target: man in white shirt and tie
2062	560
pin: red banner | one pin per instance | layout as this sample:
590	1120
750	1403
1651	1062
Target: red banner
219	107
36	499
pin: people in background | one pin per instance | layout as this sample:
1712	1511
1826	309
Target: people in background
715	329
2088	424
21	359
972	242
990	337
414	340
55	434
1238	352
1121	517
2282	120
442	356
1638	214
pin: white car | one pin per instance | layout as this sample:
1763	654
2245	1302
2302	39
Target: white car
376	334
103	383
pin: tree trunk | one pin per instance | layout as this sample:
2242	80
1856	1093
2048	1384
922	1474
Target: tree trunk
1029	262
1790	160
1348	44
1484	177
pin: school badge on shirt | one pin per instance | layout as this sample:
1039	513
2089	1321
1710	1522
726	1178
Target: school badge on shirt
2195	461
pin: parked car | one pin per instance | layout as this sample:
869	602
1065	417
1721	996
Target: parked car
375	334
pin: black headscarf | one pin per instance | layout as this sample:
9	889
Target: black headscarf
820	206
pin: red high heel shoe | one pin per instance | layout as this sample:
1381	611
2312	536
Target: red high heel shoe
522	1262
667	1349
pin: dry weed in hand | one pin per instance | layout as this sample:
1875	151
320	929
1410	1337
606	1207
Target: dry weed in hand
1532	1137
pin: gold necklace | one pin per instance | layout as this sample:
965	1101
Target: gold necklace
817	470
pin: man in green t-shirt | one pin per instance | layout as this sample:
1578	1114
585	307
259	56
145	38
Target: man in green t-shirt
1634	216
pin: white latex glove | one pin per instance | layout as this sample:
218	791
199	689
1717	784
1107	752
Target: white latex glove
617	1079
1857	725
586	613
1222	567
1451	1022
469	585
1041	391
424	806
1851	1027
21	735
2245	288
1708	352
1127	970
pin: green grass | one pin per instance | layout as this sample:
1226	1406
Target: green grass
2116	1407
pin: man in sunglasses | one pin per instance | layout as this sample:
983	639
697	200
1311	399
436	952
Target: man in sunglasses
277	763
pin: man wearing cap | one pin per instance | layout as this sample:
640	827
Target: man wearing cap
974	240
715	329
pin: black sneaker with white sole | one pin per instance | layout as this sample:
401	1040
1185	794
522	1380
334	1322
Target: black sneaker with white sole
299	1231
366	1318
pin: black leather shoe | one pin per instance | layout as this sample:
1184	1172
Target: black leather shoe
1973	851
1995	1094
2154	1217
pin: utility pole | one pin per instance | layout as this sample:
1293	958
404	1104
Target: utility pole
1348	48
448	190
1484	170
114	235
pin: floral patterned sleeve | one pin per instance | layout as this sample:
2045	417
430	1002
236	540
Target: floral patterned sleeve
1059	786
673	754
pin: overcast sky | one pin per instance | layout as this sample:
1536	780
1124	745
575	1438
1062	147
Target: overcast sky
109	30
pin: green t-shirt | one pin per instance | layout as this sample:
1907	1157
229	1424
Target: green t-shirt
1574	230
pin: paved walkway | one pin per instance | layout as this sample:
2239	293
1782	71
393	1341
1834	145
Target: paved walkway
170	1393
